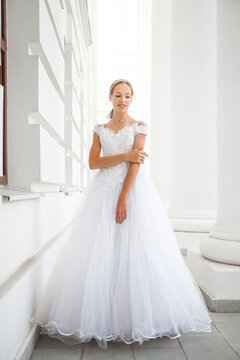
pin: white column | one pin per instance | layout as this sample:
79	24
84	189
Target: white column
193	115
183	111
223	245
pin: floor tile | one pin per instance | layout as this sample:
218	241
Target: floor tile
159	354
237	349
56	354
114	351
48	342
207	346
231	332
223	343
164	342
225	317
118	345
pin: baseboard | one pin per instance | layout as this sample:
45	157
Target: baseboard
28	346
221	305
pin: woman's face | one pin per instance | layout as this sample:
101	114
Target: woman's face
121	97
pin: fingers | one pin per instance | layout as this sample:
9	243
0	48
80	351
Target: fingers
119	218
141	152
144	153
121	215
139	156
141	159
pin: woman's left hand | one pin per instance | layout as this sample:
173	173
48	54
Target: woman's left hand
121	210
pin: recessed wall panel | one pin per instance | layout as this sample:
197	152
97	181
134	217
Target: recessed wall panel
76	109
52	159
76	173
59	18
76	143
50	105
50	45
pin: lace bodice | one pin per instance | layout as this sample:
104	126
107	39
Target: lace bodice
117	143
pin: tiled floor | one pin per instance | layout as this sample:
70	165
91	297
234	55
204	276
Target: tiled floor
223	343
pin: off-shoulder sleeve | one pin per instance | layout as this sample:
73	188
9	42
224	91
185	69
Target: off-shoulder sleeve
141	128
96	129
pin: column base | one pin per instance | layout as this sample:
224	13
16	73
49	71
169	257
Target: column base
219	283
224	251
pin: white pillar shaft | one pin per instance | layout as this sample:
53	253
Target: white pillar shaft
193	114
227	227
183	110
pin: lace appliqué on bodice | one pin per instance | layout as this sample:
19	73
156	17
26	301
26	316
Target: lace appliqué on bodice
113	144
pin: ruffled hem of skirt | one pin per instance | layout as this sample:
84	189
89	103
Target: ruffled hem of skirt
51	329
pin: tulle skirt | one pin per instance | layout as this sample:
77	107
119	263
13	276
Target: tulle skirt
122	282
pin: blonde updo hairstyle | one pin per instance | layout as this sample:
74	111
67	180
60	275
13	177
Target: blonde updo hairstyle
111	90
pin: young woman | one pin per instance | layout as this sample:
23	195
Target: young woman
120	275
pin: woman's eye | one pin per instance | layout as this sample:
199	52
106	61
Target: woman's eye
126	96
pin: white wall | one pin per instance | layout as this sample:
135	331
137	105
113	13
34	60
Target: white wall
161	97
26	227
48	143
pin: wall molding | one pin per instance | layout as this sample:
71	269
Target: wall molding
10	281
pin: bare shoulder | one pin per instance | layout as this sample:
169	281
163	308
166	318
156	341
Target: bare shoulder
141	123
136	122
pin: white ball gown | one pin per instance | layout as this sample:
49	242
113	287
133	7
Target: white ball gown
122	282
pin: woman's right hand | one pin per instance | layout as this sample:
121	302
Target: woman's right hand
137	155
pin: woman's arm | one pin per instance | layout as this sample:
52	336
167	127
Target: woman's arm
121	210
97	162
